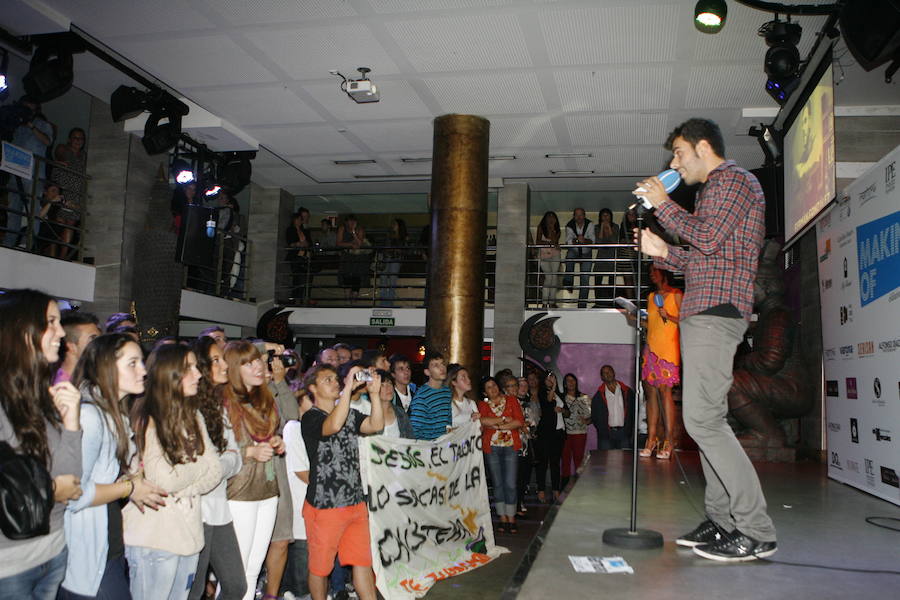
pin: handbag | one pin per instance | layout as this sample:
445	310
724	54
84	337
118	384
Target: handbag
26	495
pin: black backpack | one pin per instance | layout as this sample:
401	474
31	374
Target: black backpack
26	495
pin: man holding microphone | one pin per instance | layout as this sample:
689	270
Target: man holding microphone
725	234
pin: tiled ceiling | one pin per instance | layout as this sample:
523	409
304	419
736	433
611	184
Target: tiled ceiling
604	77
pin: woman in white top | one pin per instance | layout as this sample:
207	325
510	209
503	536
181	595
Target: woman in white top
463	408
396	422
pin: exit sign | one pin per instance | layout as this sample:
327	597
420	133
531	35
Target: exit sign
381	321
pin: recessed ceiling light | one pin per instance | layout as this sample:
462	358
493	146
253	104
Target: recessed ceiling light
359	161
572	172
570	155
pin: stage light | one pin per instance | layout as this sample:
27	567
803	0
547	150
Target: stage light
4	69
235	170
182	172
212	190
782	62
50	73
709	15
127	102
160	137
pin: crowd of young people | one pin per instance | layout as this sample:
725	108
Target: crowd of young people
200	470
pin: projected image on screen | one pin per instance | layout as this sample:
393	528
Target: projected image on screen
809	158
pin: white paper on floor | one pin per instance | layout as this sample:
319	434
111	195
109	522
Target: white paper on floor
599	564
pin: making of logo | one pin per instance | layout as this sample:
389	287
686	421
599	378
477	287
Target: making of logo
876	387
889	477
836	461
890	177
851	388
831	388
865	348
854	431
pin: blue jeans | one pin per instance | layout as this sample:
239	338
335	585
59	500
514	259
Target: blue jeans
113	586
503	463
37	583
296	572
584	276
387	282
160	575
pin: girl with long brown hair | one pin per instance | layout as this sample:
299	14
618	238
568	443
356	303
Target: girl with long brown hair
109	374
175	452
220	553
253	492
41	421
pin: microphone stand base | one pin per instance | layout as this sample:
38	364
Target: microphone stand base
639	539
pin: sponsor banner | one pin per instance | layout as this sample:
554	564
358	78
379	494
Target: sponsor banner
858	252
429	517
17	161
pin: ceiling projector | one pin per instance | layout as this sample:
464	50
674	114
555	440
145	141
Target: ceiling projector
362	89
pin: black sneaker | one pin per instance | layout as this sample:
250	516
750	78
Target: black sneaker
706	533
736	547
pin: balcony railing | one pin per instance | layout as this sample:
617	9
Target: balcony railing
583	276
229	274
34	221
374	276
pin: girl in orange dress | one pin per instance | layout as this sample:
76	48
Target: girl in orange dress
661	362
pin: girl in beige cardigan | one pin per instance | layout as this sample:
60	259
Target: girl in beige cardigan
176	453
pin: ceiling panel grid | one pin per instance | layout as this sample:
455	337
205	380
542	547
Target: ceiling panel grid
467	43
621	34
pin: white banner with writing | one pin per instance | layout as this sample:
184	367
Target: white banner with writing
429	515
859	275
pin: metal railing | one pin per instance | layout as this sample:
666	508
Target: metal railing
372	276
32	221
229	275
583	276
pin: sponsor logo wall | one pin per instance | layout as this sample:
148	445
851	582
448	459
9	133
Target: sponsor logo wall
859	271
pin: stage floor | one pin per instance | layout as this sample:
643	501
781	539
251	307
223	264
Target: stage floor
819	521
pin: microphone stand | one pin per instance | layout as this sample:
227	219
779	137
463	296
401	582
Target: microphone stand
632	537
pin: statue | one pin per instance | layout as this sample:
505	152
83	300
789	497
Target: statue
770	380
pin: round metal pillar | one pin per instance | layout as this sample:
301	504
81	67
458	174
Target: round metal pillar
455	309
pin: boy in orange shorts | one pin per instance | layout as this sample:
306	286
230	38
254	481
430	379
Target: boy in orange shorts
335	513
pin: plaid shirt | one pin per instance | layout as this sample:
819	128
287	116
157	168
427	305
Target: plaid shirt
725	234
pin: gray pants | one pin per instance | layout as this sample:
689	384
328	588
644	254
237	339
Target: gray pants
222	554
734	497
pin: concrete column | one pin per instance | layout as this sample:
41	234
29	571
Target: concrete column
270	214
454	320
122	177
512	258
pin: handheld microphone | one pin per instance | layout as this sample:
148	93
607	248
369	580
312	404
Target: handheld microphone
211	228
658	301
670	180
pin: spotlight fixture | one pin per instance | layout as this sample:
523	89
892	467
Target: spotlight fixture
127	102
182	172
4	69
782	62
709	15
361	90
50	73
161	136
235	170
